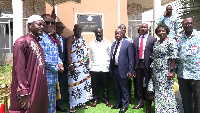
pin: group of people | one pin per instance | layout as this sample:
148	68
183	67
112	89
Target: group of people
41	60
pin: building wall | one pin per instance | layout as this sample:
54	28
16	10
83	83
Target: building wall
66	14
134	13
30	7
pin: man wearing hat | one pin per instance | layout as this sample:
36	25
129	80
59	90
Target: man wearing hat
29	91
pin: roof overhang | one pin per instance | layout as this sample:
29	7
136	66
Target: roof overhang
148	4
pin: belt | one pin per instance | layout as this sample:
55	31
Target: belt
141	60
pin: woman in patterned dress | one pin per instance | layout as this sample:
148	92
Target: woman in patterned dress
79	79
165	53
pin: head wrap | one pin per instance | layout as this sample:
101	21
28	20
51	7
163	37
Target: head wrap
33	18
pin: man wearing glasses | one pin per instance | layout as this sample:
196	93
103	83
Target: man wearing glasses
53	63
171	21
189	67
62	77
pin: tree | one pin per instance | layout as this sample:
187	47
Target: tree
191	8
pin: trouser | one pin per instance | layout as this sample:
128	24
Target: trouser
141	73
99	78
190	94
62	78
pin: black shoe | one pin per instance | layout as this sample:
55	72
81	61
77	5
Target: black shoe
61	109
117	106
123	110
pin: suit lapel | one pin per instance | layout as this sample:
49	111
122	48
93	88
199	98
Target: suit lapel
122	46
148	40
137	42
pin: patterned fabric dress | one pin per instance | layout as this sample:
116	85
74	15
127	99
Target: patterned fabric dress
79	84
163	53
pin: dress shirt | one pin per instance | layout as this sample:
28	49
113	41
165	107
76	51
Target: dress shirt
60	41
172	23
144	43
99	55
118	49
51	58
189	56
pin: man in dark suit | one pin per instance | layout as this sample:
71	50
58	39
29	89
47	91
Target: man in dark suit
121	68
143	47
62	77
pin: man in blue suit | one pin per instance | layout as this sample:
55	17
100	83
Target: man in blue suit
121	68
62	77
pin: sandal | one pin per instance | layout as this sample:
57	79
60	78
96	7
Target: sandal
72	110
84	106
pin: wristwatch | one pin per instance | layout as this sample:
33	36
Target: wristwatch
171	70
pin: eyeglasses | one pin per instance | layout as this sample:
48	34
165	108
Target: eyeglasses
169	9
60	27
48	22
188	23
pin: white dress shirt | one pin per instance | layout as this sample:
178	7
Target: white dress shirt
99	55
118	49
144	43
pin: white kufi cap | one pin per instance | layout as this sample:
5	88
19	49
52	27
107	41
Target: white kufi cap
34	18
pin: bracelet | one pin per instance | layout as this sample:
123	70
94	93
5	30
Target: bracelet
71	65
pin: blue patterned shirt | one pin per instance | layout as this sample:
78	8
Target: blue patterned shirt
172	23
189	56
51	58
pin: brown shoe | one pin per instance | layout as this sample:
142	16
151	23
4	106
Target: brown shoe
148	109
108	104
138	106
94	104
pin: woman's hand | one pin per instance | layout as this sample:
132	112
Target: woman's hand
170	75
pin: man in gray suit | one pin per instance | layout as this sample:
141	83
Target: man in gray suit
62	77
143	47
121	68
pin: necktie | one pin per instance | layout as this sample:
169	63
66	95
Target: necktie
60	43
115	53
141	48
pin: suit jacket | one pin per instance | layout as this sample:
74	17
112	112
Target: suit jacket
125	59
62	55
147	52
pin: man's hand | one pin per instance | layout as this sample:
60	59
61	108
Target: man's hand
129	75
87	62
71	69
25	101
170	76
134	74
61	68
165	14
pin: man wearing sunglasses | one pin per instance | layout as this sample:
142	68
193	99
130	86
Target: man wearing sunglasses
171	21
62	77
53	63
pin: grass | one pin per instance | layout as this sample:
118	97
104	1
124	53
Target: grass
102	108
6	78
6	74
